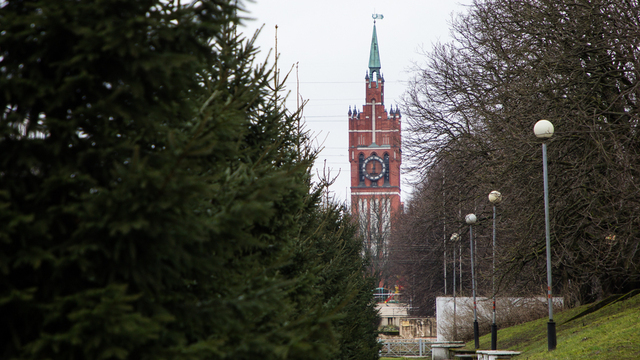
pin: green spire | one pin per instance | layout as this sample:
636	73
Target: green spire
374	55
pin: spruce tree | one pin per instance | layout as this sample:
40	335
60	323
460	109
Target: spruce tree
153	191
330	250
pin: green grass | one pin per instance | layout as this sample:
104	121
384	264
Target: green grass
609	329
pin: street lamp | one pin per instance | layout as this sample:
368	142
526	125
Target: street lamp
471	219
454	239
495	198
544	129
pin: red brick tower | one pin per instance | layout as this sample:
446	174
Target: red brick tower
375	156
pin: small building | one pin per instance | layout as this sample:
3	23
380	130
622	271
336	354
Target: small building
392	313
396	323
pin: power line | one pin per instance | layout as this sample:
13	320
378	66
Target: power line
347	82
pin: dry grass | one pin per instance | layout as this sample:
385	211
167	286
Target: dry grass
509	312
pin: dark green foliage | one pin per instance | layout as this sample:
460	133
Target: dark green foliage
342	285
153	193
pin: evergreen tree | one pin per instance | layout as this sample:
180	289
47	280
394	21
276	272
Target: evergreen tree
348	284
154	193
342	286
99	232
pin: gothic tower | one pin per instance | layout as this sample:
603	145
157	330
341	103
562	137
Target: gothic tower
375	157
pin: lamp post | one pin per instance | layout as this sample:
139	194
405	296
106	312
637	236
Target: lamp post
471	219
454	239
544	130
495	198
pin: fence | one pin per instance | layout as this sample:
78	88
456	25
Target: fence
405	347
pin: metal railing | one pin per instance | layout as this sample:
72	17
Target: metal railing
405	347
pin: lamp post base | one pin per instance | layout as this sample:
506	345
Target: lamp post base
476	334
551	335
494	336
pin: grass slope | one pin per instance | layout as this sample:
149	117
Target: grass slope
609	329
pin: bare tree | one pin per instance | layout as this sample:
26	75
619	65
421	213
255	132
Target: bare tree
470	112
374	216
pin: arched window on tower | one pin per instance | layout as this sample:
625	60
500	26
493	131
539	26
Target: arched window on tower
360	170
386	166
374	168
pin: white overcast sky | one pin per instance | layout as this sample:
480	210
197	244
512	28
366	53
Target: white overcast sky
330	42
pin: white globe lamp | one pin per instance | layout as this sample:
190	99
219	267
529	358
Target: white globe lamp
495	197
543	129
470	219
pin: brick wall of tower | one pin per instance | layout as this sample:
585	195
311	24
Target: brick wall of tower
374	90
388	141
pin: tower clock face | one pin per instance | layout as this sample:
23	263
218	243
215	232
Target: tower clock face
373	168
